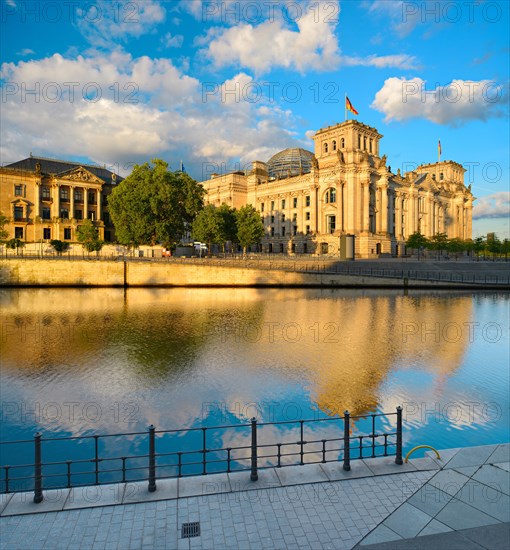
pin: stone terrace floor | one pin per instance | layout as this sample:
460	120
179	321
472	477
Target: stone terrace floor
459	502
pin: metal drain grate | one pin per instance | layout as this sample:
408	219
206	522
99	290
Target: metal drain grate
189	530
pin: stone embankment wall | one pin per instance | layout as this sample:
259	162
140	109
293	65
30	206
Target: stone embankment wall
118	273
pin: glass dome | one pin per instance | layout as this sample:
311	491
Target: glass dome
289	163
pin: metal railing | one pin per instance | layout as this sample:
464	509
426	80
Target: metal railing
162	461
312	267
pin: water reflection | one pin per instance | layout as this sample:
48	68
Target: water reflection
104	360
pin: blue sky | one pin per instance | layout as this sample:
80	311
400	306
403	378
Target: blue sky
219	84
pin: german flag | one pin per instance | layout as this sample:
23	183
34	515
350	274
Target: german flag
349	107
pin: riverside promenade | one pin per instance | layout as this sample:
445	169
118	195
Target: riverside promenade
458	502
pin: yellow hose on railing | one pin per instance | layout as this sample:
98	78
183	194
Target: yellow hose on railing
421	447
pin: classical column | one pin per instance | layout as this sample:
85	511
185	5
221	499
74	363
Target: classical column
85	203
99	217
366	207
383	209
37	199
71	198
340	206
398	214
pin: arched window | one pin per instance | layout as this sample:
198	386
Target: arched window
325	147
441	176
370	146
334	145
342	143
331	195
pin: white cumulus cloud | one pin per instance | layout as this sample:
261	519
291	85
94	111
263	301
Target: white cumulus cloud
496	205
273	43
452	104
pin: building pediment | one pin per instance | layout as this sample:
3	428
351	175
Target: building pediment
79	174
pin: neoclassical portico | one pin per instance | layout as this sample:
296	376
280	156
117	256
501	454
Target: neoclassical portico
308	200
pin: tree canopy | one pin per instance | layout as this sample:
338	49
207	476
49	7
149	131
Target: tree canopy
4	220
88	237
250	228
154	205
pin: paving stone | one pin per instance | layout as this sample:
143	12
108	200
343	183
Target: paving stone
501	454
449	481
97	495
471	456
494	477
380	534
139	491
386	465
494	537
203	485
425	463
468	471
23	503
433	528
298	475
503	466
458	515
407	521
489	500
4	500
430	499
335	471
445	454
240	481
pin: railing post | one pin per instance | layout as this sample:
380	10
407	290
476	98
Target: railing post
347	442
152	459
398	458
254	475
38	494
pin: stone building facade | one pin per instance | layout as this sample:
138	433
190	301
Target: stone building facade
47	199
309	200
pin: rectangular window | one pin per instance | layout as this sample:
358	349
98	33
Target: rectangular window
307	200
91	215
18	213
283	217
78	195
307	216
283	231
262	207
272	231
47	233
78	214
294	217
92	197
18	232
106	218
294	230
331	224
308	230
18	190
67	233
45	193
294	202
64	213
283	204
64	193
272	219
272	206
46	213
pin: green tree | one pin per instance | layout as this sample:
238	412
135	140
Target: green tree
479	246
15	244
59	246
505	248
229	225
207	226
494	246
88	237
154	205
250	228
4	220
438	242
454	246
417	241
